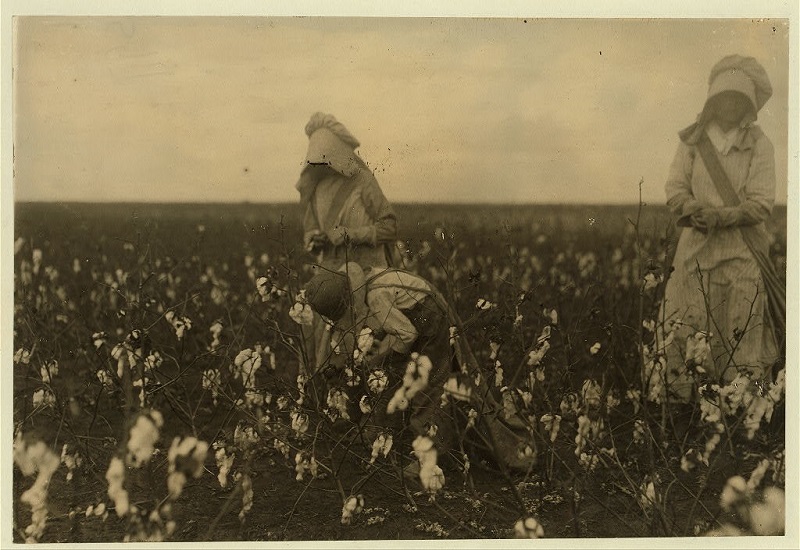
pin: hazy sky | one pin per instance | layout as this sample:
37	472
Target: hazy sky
446	109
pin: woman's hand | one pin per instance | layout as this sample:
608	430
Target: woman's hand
317	241
705	220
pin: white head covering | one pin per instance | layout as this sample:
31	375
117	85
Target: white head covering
740	74
735	73
329	142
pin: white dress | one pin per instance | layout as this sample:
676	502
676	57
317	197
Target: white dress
716	288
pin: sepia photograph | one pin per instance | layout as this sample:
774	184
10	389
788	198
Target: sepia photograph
348	278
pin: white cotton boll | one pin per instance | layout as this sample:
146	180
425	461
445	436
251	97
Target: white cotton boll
301	314
338	400
698	348
552	424
594	350
457	390
224	463
423	363
377	381
142	438
299	422
381	446
48	371
352	505
22	356
528	528
44	398
472	417
494	348
365	340
175	484
115	476
591	392
247	495
421	444
768	518
30	459
432	478
647	496
192	450
509	407
398	402
652	280
498	376
735	489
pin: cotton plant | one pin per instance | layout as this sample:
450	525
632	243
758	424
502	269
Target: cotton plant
128	353
115	477
698	350
212	382
758	512
381	446
299	422
72	460
44	398
245	438
35	458
268	290
455	389
301	312
245	366
142	438
215	329
536	355
305	463
22	356
337	402
224	462
185	457
180	324
415	379
247	494
353	505
528	528
364	343
431	475
377	381
551	424
648	496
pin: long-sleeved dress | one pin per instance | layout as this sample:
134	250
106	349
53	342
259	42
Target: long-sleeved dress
354	202
716	286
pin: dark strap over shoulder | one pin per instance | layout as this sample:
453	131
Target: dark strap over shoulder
716	171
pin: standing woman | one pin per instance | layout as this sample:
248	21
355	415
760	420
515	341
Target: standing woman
346	216
724	290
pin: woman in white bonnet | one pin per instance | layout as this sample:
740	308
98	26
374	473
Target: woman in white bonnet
724	246
346	217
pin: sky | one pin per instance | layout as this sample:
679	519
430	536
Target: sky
447	109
